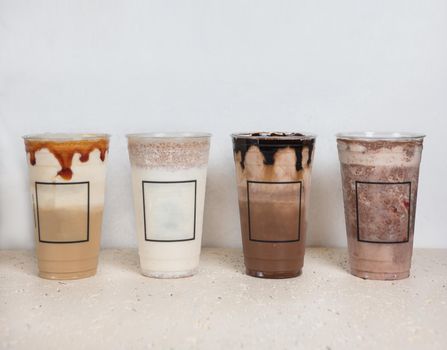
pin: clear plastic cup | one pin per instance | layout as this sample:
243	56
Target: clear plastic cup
273	174
380	173
169	180
67	182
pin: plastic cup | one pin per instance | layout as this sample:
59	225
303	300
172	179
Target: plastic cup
380	174
169	180
273	174
67	181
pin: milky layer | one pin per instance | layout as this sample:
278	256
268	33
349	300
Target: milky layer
168	256
282	170
380	153
93	171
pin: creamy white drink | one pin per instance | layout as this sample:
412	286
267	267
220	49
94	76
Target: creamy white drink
169	180
67	180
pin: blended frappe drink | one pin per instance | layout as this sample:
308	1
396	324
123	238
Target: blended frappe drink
169	180
273	173
67	181
380	174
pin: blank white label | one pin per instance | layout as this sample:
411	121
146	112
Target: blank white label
62	212
169	210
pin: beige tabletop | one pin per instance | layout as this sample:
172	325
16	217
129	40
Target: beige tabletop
221	308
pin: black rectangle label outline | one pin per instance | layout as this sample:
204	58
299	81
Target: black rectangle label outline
358	216
299	210
195	211
88	210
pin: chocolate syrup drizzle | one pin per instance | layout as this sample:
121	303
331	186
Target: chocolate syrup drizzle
65	150
269	146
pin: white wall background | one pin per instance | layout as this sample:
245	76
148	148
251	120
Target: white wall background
222	66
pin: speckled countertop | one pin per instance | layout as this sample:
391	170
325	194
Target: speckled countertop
221	308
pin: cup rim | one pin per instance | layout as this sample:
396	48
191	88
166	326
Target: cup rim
169	135
273	135
379	136
63	136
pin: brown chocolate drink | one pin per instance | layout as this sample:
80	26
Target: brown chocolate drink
273	178
67	178
380	180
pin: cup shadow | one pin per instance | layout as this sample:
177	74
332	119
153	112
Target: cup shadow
120	259
337	257
22	261
230	259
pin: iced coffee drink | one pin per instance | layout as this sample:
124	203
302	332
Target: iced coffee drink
67	180
169	180
380	174
273	174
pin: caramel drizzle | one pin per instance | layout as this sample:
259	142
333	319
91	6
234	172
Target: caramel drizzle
65	150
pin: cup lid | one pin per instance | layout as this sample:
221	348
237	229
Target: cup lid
65	136
379	136
275	135
168	135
